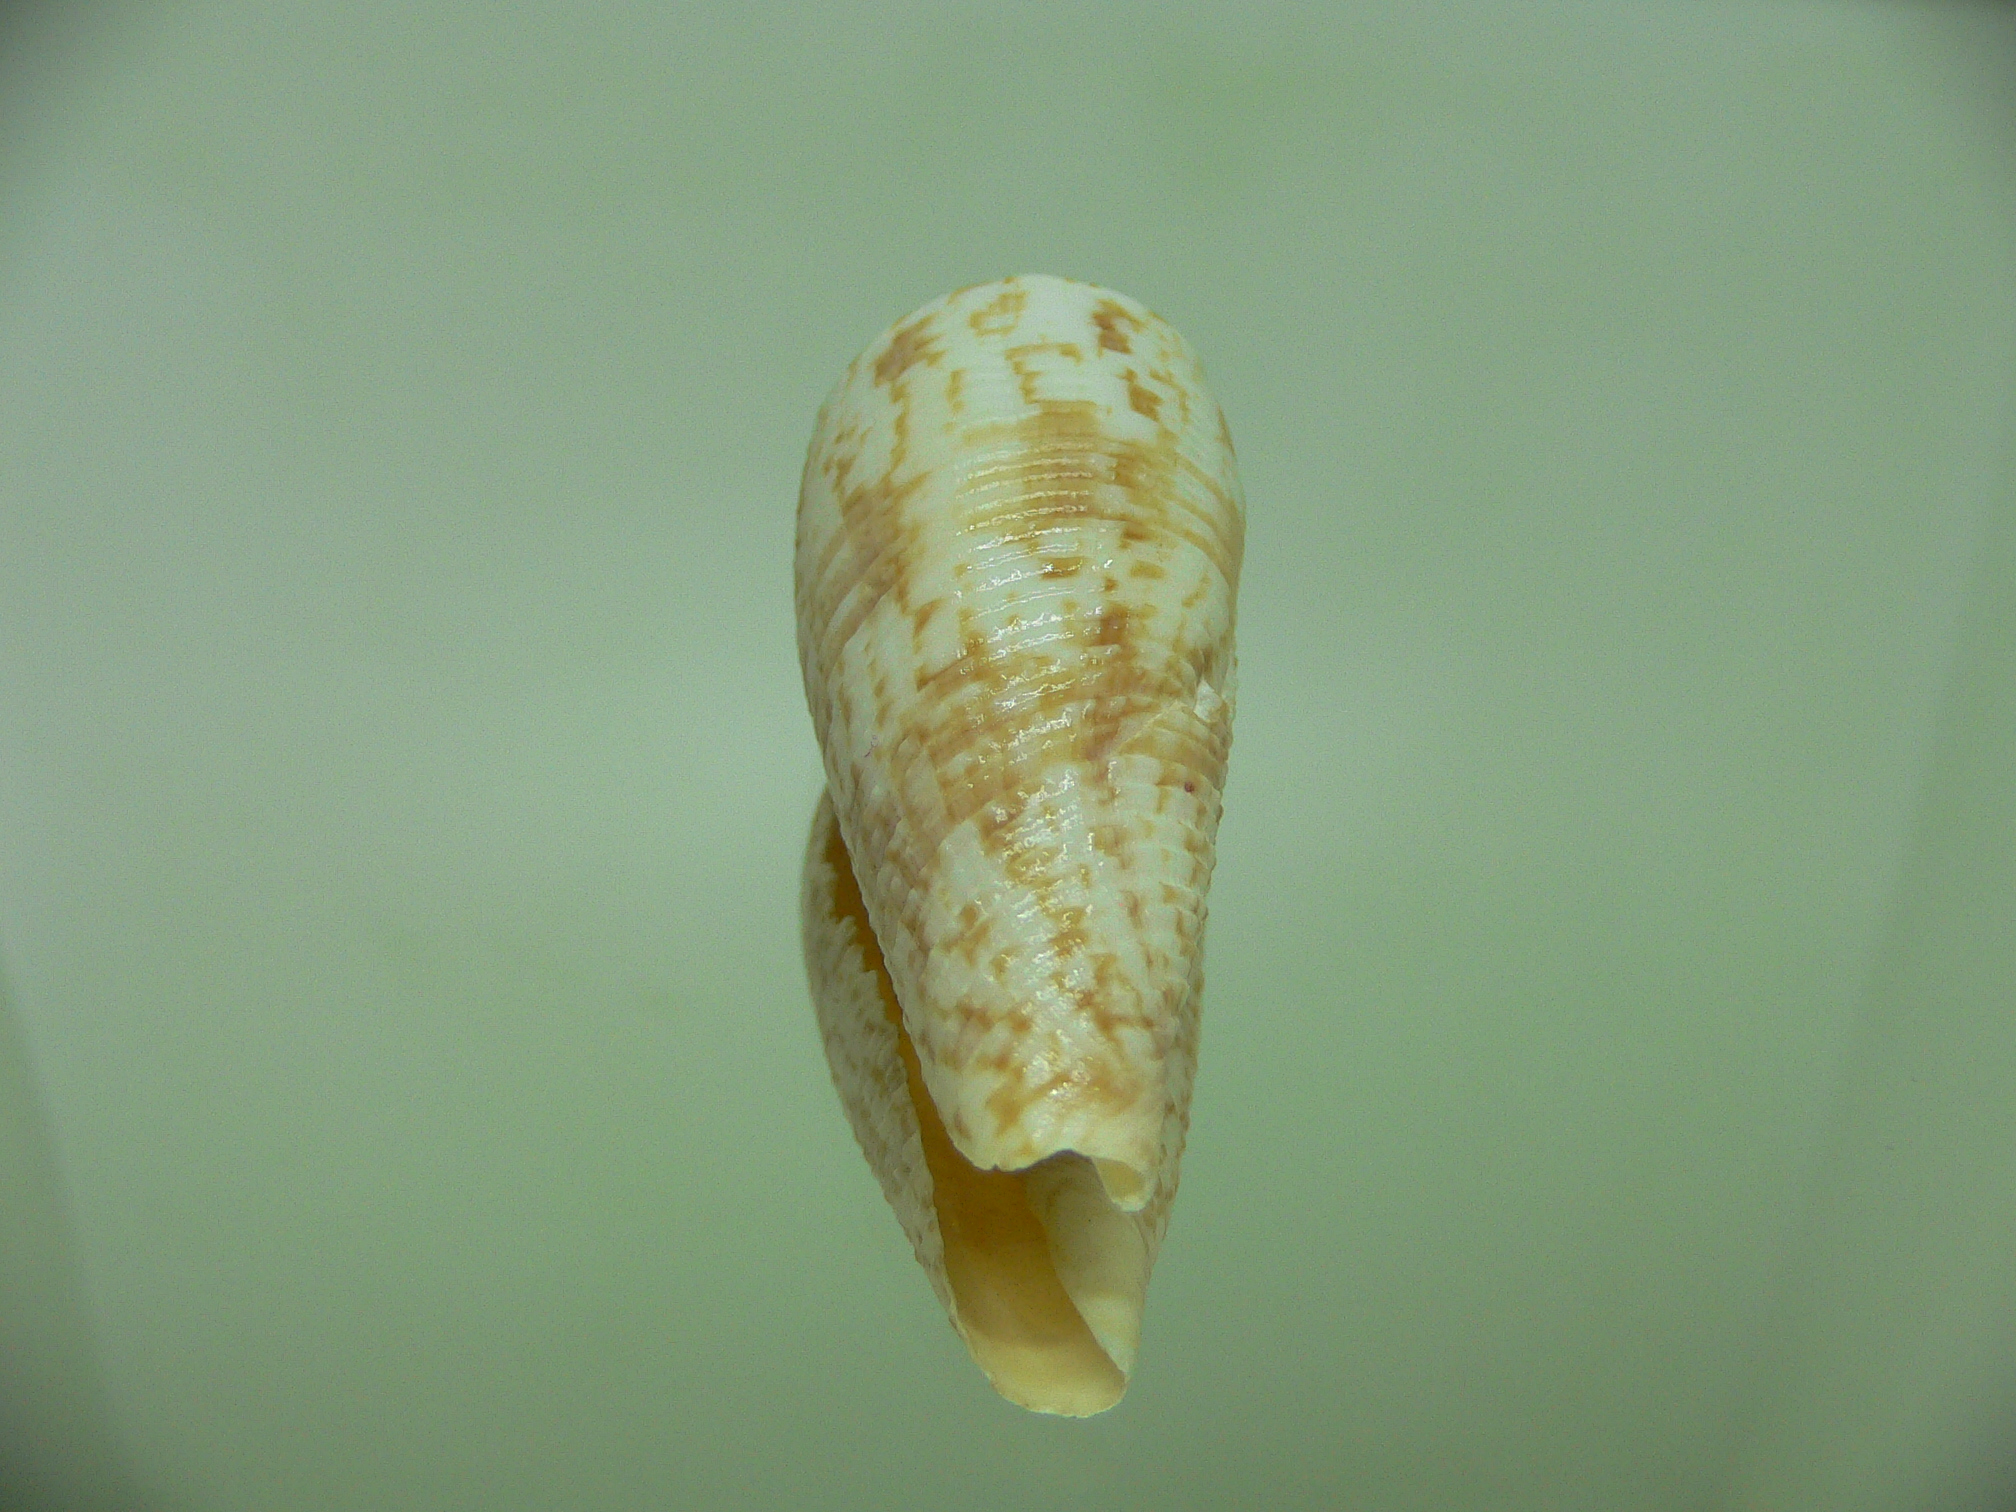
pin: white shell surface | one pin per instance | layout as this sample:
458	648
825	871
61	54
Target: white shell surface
1019	536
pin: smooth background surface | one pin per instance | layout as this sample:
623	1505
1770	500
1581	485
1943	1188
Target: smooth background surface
410	1094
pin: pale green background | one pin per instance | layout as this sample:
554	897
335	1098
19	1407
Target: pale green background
411	1098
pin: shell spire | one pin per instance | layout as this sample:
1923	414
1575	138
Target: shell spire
1019	535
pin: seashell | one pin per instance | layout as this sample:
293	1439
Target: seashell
1019	535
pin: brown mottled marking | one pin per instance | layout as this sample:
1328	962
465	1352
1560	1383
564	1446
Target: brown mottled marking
866	560
974	929
1000	1059
1025	375
1113	322
1064	455
1000	815
1000	314
1062	567
1113	842
1111	986
971	1017
1071	936
1175	385
1009	1101
1029	379
908	345
1097	1083
1143	401
838	464
1030	864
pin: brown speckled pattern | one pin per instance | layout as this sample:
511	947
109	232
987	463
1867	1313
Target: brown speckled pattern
1018	552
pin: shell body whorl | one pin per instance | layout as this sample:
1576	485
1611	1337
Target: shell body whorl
1019	535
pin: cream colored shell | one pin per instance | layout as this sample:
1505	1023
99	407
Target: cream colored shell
1019	536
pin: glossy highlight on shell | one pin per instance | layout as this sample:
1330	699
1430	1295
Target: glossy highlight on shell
1019	535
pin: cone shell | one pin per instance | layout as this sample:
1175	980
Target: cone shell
1018	551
